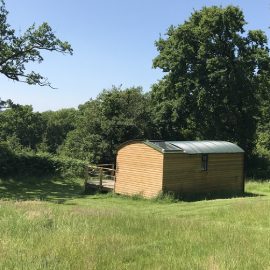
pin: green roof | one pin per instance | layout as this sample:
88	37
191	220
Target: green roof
195	147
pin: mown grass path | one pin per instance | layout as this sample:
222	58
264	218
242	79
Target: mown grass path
50	225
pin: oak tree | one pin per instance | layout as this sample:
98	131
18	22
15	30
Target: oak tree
18	51
214	69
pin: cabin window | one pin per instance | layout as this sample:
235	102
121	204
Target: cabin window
204	165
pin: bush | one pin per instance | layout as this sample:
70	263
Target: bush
27	163
6	158
258	167
69	166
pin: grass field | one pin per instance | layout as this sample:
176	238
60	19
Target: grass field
48	224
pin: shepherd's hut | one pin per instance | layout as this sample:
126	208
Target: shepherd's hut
183	167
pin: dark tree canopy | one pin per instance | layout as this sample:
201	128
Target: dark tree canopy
57	125
17	51
214	71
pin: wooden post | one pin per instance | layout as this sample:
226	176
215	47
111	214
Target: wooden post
113	172
100	177
86	174
113	176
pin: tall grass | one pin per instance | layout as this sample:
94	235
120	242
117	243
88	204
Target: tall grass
111	232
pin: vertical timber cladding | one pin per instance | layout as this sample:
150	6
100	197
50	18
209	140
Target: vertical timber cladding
183	173
139	170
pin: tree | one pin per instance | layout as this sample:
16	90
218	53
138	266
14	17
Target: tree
263	129
20	125
57	125
214	71
102	124
6	104
17	51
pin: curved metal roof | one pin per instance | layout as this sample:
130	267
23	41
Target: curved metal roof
195	147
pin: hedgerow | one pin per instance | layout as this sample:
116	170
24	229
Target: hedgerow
29	163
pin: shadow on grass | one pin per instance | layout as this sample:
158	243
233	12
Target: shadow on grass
53	189
201	197
250	194
173	197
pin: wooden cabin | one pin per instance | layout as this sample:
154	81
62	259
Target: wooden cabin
148	168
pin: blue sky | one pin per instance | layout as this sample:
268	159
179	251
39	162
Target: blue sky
113	44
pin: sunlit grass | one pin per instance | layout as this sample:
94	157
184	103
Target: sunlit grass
113	232
259	186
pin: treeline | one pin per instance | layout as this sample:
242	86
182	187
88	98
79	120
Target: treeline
92	132
216	87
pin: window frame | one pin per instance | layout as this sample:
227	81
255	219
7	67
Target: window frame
204	162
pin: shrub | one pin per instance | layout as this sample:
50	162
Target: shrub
6	158
27	163
258	167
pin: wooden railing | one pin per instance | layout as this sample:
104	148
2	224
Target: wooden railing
100	176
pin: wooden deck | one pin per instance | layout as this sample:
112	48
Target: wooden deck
107	185
100	178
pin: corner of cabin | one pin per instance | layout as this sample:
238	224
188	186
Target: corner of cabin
139	170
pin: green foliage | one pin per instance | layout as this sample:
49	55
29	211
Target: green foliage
85	146
23	128
114	117
57	126
68	167
28	163
216	86
17	51
23	125
214	73
263	130
6	158
259	165
4	104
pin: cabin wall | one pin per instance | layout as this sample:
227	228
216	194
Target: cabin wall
183	173
139	170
